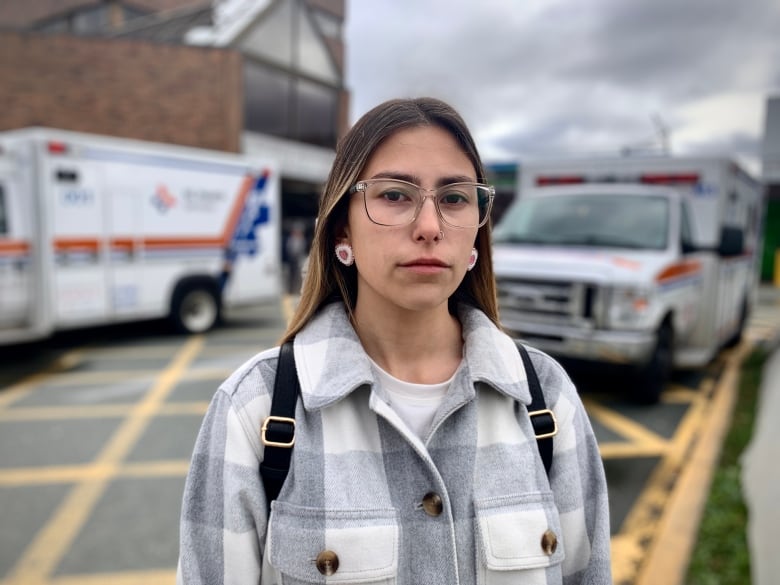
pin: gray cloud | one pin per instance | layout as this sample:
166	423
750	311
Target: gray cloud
541	77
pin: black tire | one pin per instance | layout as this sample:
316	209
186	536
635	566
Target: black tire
735	339
653	377
195	309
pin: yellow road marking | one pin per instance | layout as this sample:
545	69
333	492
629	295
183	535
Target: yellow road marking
679	395
174	468
139	352
626	427
111	376
95	378
162	577
36	413
628	450
51	543
675	534
49	475
629	545
642	529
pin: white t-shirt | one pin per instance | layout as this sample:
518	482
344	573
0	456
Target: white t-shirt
416	404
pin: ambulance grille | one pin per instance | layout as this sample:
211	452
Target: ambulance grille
547	301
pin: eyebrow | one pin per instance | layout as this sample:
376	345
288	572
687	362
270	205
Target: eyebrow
416	180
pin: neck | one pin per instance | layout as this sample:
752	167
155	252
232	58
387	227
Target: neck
423	347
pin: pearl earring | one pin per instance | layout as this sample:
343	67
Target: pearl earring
473	258
344	254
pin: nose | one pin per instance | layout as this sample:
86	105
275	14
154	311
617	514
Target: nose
428	224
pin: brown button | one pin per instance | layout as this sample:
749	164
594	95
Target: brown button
432	504
327	562
549	542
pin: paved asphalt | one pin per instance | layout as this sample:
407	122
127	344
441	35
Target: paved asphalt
109	477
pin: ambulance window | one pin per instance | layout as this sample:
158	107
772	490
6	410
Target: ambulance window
3	214
686	236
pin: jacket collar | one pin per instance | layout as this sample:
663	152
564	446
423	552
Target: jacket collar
331	362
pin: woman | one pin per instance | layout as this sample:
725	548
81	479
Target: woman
414	460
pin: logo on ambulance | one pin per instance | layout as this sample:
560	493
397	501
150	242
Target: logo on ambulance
163	200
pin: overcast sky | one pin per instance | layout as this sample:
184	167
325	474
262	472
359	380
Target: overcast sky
543	77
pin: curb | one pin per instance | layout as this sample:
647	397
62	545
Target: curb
677	534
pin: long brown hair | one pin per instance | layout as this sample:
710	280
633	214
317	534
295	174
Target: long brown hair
328	280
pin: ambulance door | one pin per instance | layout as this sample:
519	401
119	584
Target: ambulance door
16	246
127	190
77	198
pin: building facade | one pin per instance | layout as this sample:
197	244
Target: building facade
253	76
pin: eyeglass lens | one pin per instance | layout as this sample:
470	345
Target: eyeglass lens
396	203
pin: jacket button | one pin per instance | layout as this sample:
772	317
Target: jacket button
432	504
327	562
549	542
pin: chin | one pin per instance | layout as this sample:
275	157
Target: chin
424	302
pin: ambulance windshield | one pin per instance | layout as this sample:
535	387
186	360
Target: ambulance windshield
596	220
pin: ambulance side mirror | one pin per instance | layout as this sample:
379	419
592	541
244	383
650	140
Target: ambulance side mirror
732	241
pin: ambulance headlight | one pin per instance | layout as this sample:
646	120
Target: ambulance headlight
629	307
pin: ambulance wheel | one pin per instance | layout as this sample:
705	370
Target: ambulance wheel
195	309
736	338
652	378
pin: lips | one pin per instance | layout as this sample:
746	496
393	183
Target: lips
425	262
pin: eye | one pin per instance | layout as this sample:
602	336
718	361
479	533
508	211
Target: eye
455	197
394	195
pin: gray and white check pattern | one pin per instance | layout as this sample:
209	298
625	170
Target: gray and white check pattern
359	475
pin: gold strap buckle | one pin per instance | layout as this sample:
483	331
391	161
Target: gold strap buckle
281	419
554	421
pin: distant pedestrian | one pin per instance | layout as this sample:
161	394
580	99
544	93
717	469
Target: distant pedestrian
295	250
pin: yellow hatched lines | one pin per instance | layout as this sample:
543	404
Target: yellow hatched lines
640	441
676	529
42	556
638	536
37	564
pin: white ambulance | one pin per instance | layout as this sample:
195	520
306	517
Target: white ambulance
97	230
645	263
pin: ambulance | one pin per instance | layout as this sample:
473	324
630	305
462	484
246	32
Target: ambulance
648	264
97	230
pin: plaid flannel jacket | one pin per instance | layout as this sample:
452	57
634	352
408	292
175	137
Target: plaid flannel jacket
367	501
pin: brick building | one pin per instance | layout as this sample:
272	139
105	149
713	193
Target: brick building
254	76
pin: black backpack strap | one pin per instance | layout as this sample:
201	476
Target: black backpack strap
278	430
542	418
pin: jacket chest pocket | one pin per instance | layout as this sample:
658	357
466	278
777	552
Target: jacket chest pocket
308	545
518	540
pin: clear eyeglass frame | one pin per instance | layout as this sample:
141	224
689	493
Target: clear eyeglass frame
362	186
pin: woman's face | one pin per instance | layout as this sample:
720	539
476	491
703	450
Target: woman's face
417	266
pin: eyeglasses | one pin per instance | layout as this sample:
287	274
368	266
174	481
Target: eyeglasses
392	202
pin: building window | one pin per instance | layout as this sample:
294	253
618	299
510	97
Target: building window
285	105
267	99
93	20
317	111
